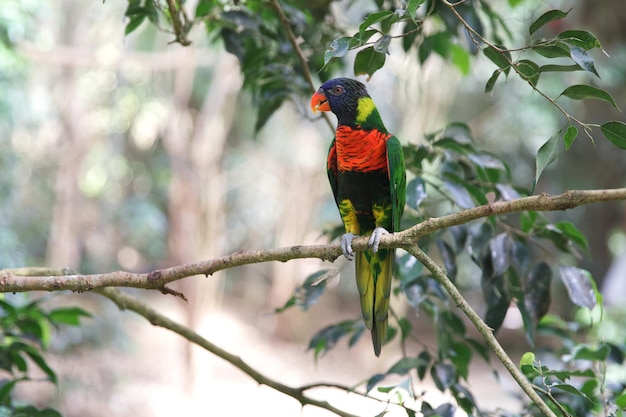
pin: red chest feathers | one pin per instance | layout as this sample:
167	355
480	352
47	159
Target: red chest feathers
361	150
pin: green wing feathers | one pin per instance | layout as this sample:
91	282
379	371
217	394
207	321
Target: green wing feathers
397	180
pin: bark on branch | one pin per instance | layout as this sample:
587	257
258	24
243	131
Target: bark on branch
29	279
20	280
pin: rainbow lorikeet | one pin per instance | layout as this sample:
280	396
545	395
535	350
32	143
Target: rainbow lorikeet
368	178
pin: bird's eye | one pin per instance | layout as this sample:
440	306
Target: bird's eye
337	90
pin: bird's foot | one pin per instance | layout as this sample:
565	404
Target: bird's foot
346	246
375	238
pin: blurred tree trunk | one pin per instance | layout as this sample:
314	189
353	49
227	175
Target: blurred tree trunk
64	240
194	141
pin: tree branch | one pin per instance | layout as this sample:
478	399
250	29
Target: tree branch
487	333
180	28
20	280
127	302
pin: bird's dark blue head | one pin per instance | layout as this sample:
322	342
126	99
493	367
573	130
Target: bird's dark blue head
342	96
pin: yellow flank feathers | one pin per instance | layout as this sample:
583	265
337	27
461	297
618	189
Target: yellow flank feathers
381	214
364	108
348	215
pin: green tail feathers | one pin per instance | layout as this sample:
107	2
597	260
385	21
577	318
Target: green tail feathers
374	272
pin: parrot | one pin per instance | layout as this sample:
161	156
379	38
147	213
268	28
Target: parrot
367	175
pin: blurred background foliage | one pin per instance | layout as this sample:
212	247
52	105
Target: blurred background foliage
126	152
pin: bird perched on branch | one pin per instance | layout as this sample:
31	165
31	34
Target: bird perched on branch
368	178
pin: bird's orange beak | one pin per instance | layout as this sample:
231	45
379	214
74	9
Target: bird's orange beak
319	102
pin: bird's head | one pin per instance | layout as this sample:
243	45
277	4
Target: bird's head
345	97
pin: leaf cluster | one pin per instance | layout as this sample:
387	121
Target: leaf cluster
25	331
254	32
578	380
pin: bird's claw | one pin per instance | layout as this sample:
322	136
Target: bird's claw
375	238
346	246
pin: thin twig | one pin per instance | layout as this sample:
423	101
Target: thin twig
179	29
304	63
128	302
474	34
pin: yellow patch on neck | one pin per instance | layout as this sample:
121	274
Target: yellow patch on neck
365	107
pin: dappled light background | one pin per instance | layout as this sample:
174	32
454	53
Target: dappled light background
132	153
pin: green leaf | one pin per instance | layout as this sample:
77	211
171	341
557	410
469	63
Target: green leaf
382	45
570	389
360	38
572	232
412	7
546	155
598	353
582	91
327	338
479	236
459	194
203	8
405	328
31	411
133	24
520	256
621	400
368	61
5	391
453	323
537	292
425	359
500	248
70	315
582	58
460	58
405	365
496	298
581	38
443	374
578	284
439	43
409	34
491	82
546	18
375	379
527	358
310	291
266	108
480	348
530	70
338	48
500	58
415	193
447	255
461	356
552	50
528	220
373	19
507	192
570	136
615	132
559	68
36	357
464	399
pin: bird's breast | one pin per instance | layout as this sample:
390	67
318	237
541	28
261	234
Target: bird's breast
361	150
